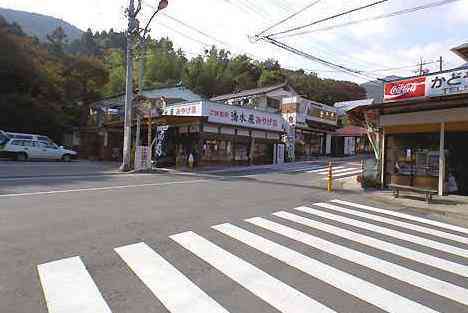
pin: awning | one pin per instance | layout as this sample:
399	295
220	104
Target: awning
350	131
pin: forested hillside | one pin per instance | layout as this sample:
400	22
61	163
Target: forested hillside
38	25
48	86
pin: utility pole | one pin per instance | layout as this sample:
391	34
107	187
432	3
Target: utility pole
127	146
441	62
133	28
420	66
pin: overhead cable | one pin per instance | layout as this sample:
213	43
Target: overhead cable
339	67
373	18
288	17
328	18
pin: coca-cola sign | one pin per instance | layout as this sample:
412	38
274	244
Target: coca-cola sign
405	89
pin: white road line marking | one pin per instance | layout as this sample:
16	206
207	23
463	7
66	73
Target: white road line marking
397	234
176	292
404	274
68	288
344	170
276	293
390	221
417	256
100	188
325	169
345	176
303	169
32	178
378	296
405	216
348	173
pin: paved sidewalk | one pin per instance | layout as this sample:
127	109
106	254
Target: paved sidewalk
452	208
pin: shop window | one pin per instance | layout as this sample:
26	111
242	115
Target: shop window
242	152
273	103
217	150
413	160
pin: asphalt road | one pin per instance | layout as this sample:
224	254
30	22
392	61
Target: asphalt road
145	243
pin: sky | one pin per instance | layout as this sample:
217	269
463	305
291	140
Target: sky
375	47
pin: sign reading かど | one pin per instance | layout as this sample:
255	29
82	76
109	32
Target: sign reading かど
435	85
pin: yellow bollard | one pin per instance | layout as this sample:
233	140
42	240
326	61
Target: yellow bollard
330	177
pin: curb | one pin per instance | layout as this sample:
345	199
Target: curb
425	210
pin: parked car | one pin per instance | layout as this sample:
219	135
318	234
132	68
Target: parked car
28	136
24	149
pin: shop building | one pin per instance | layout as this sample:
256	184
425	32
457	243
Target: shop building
425	130
310	127
349	139
102	137
219	134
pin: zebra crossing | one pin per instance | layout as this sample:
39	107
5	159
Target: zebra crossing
68	287
339	172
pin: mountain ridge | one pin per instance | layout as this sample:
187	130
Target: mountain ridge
39	25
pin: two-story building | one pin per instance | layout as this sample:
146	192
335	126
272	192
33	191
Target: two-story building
243	128
310	127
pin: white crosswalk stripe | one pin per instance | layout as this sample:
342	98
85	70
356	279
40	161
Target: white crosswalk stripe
350	173
405	216
355	286
69	288
370	241
324	170
398	234
418	228
414	278
174	290
276	293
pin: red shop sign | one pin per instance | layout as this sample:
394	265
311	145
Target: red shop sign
405	89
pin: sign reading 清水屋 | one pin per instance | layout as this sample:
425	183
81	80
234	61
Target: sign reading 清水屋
229	114
232	115
435	85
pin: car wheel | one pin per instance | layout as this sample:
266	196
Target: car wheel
66	158
21	156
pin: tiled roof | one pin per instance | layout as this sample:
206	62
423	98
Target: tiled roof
251	92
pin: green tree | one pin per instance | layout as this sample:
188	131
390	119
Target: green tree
57	41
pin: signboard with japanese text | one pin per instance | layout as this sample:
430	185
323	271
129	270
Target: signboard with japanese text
434	85
186	109
229	115
232	115
405	89
445	84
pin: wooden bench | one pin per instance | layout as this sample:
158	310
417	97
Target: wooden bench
428	192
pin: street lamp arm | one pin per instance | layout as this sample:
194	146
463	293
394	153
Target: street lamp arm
162	5
138	9
146	30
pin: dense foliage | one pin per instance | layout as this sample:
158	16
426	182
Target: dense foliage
48	86
45	90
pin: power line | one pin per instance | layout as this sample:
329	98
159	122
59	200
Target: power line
378	17
386	69
328	18
185	35
195	29
339	67
288	17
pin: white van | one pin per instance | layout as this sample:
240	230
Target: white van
29	136
22	147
